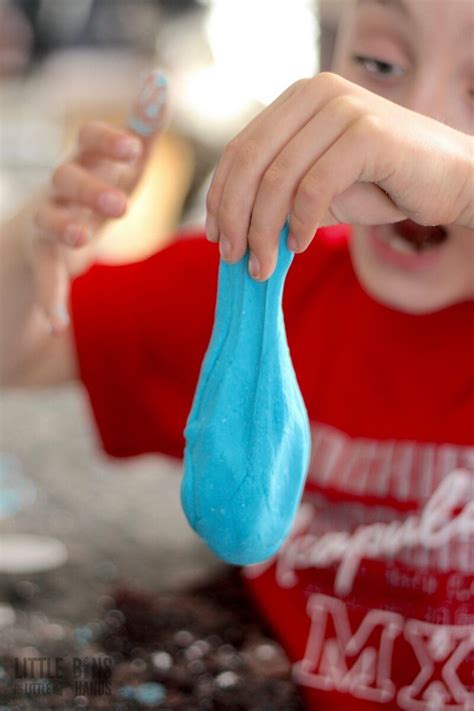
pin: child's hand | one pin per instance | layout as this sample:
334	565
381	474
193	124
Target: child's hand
89	189
329	151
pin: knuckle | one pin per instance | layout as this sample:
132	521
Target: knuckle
230	151
336	212
368	126
346	105
212	200
310	189
298	85
323	77
86	193
325	81
106	142
60	174
103	139
247	154
227	217
258	231
232	147
275	175
366	133
299	224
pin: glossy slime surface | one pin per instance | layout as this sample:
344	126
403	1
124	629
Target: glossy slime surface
247	435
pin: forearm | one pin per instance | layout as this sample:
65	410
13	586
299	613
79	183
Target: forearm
29	354
20	319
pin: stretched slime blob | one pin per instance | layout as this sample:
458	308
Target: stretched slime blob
247	435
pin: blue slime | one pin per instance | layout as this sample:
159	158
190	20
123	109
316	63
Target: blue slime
247	435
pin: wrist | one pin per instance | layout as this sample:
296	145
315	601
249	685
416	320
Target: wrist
18	237
16	248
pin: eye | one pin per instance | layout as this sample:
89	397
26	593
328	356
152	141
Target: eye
378	66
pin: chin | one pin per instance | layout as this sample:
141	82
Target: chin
413	269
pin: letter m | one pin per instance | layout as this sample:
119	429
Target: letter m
340	659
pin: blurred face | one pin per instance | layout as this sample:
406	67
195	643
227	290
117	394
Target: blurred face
420	54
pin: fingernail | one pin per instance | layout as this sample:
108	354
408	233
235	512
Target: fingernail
254	266
111	204
292	243
147	112
211	229
225	247
59	319
128	148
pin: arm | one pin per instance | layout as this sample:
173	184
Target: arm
54	236
29	355
36	262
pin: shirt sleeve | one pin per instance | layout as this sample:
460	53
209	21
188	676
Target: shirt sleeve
141	331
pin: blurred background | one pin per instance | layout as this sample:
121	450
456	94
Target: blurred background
71	521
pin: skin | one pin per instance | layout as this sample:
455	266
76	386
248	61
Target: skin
371	145
55	236
430	70
374	144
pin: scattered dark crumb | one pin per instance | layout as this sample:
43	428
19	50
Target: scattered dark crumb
205	649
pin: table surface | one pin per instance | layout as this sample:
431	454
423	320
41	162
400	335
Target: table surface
120	520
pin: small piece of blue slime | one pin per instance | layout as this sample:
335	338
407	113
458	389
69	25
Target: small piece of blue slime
247	435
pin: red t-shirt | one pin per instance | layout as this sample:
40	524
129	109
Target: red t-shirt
373	594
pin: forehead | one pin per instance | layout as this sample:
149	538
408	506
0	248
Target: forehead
398	5
453	18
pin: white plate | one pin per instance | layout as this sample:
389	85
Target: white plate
21	554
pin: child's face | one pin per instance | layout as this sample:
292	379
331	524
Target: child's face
417	53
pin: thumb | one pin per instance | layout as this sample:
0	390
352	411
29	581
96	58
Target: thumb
362	204
149	110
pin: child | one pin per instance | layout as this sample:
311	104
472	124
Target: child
372	595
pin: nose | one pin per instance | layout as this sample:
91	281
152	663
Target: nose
427	96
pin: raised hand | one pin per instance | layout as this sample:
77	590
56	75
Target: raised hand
89	189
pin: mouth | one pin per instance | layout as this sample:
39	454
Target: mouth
408	237
408	246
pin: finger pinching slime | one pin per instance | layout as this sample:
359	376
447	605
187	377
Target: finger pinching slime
247	435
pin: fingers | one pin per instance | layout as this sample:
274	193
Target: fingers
280	181
56	223
350	159
226	162
74	184
90	189
233	190
107	142
304	158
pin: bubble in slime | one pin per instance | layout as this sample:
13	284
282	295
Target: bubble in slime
247	435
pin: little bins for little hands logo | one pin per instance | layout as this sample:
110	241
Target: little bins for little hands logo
89	676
